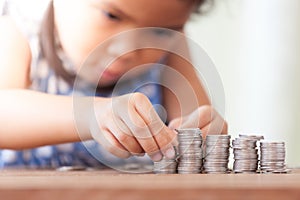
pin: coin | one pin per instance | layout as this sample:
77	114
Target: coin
246	155
165	166
272	157
71	168
216	153
190	151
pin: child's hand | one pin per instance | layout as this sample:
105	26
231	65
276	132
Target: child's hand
205	117
129	126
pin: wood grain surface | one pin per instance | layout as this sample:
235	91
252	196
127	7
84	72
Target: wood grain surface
108	184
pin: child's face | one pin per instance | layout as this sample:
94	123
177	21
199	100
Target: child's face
84	24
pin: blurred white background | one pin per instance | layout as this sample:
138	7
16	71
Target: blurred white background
255	45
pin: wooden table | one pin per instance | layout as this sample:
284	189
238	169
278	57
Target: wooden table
106	184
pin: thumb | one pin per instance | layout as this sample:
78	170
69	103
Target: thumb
175	123
197	119
180	122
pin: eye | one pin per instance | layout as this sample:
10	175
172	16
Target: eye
110	15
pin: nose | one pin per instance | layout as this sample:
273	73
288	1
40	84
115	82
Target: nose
122	46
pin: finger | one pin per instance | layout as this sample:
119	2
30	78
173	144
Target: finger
140	131
217	126
137	126
175	123
125	137
165	138
199	118
175	142
145	138
163	135
148	119
110	143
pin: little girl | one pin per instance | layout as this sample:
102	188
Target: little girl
40	61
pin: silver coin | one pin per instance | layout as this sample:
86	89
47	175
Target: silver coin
255	137
216	153
71	168
272	157
245	153
166	165
190	151
189	172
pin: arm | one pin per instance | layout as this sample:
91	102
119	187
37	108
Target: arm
28	119
185	92
188	105
15	56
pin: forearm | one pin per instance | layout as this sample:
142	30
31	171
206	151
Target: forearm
184	92
29	119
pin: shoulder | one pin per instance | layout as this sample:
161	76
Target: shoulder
11	38
14	53
8	27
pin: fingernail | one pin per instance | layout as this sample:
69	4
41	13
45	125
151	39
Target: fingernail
141	154
156	157
170	153
138	154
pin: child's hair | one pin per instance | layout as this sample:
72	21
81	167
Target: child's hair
201	6
48	46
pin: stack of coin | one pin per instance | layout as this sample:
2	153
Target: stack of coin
272	157
216	153
190	151
165	166
246	154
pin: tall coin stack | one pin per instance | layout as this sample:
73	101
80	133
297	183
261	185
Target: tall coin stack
165	166
190	151
245	154
216	153
272	157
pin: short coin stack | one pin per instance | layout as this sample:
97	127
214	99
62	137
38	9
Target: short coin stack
216	153
245	154
272	157
190	151
165	166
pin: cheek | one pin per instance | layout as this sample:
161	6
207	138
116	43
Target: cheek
79	46
80	31
152	55
143	61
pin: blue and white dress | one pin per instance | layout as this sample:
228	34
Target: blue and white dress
89	153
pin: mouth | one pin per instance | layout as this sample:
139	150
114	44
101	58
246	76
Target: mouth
109	75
